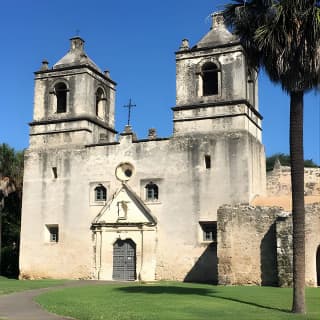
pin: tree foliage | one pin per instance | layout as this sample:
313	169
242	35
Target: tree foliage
282	36
11	165
285	161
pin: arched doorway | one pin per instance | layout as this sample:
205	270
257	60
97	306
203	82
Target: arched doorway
124	260
318	267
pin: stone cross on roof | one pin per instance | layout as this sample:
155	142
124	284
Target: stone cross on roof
129	106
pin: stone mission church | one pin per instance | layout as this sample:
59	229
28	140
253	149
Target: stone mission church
103	205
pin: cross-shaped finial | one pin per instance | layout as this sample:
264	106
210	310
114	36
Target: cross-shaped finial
129	106
77	32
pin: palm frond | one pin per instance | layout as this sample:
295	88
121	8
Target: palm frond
282	36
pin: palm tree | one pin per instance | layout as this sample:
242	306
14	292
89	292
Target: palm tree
282	37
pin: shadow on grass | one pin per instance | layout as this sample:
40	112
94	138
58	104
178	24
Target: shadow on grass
193	291
166	289
252	304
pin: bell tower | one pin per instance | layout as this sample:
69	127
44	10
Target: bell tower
217	109
74	102
215	88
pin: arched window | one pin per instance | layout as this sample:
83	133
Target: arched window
210	79
100	193
99	103
152	192
60	90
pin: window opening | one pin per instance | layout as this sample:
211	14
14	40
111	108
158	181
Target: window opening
250	77
100	193
55	172
53	233
99	104
61	94
152	191
128	173
207	160
251	86
209	231
210	79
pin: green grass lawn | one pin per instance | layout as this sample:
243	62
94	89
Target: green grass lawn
13	285
180	301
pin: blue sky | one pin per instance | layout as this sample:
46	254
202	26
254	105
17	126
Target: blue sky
136	41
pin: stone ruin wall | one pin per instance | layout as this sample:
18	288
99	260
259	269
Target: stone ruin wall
255	245
246	245
284	246
284	250
279	181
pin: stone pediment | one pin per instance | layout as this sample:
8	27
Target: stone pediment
125	208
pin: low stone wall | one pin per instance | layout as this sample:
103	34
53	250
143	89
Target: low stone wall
255	245
312	243
284	249
284	246
247	245
279	181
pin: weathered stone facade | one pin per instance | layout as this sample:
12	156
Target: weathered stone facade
103	205
73	199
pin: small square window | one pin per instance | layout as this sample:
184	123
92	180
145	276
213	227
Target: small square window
152	192
98	192
209	231
52	233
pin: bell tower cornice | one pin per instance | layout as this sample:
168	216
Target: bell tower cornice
73	69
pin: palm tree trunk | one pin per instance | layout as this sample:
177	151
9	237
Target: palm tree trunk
298	214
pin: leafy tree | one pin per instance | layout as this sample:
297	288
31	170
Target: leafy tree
283	158
285	161
282	36
11	165
309	163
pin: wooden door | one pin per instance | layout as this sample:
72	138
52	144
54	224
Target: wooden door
124	260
